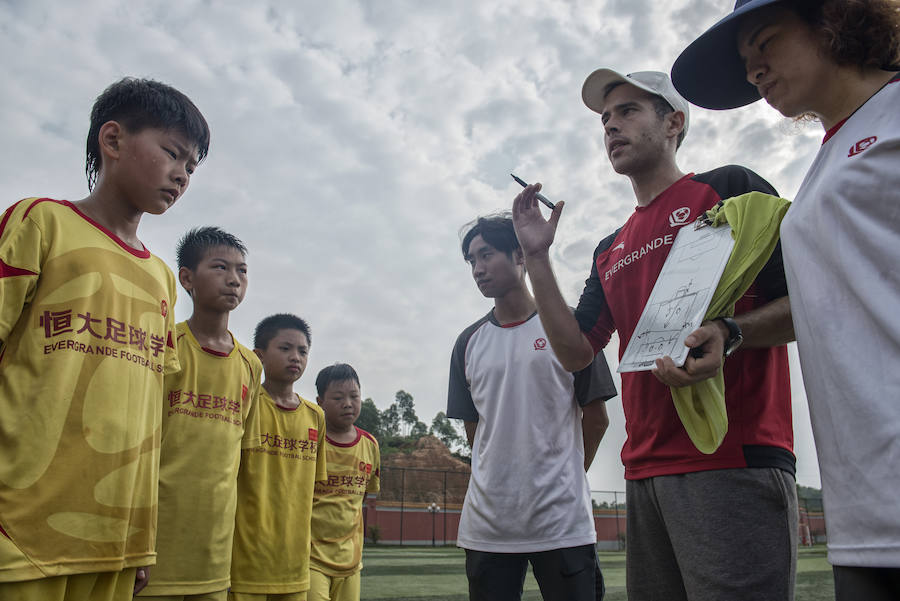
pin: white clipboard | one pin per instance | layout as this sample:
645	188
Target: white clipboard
680	297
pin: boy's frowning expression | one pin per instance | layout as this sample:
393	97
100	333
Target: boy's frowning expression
219	282
284	358
341	405
153	168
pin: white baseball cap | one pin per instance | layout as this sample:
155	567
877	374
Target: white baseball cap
594	90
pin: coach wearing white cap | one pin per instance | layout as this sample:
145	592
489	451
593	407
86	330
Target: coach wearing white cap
700	526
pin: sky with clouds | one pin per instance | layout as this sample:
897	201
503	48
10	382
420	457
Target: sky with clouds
351	140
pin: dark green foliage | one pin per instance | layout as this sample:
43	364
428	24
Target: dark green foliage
369	418
445	429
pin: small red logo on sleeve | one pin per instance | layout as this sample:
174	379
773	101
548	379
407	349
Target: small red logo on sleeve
313	434
164	307
540	344
862	145
244	392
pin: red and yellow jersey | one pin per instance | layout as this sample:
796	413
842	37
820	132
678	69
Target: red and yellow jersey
275	493
337	519
210	412
87	336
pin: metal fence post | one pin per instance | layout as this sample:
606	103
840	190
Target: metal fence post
402	497
618	531
444	513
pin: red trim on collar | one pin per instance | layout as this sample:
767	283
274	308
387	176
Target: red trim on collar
513	323
834	129
140	254
345	444
214	352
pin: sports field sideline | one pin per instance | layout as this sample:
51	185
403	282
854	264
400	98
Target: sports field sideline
438	574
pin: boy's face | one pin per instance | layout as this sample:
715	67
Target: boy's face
153	168
284	358
495	273
341	405
219	282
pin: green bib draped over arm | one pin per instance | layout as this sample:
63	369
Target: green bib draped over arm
755	219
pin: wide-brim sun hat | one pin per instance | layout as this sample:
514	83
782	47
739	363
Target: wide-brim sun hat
710	72
593	92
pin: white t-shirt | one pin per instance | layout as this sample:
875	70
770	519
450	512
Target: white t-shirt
528	491
841	242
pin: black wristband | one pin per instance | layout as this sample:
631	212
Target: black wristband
735	336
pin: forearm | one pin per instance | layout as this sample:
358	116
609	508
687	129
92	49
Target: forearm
594	423
570	345
470	432
769	325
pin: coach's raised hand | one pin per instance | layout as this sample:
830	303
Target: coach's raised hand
535	233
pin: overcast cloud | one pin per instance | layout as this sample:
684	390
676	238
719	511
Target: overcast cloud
351	140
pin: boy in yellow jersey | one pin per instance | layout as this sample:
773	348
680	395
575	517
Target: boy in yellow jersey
210	412
270	560
86	336
353	470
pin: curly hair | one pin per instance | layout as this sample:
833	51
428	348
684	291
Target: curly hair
865	33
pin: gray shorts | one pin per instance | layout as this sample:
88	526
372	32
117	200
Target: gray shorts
720	535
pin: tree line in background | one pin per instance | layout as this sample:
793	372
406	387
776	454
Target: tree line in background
398	427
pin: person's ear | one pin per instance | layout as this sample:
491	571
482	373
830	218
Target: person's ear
675	123
110	139
186	278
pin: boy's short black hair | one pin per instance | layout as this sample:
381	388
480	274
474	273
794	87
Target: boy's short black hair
138	104
497	230
194	245
269	327
338	372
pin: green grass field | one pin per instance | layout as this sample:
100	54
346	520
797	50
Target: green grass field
438	574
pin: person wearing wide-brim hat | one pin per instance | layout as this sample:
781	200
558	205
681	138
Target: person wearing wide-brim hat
837	61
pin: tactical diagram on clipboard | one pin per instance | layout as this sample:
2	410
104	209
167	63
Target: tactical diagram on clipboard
680	297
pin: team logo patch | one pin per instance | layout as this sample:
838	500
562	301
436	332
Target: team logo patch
313	434
679	216
365	467
862	145
164	307
540	344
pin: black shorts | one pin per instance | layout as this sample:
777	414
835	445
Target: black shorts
569	574
871	584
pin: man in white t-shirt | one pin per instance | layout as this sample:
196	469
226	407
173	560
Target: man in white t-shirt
534	429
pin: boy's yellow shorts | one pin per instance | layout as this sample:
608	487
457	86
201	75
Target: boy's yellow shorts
333	588
101	586
214	596
267	596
